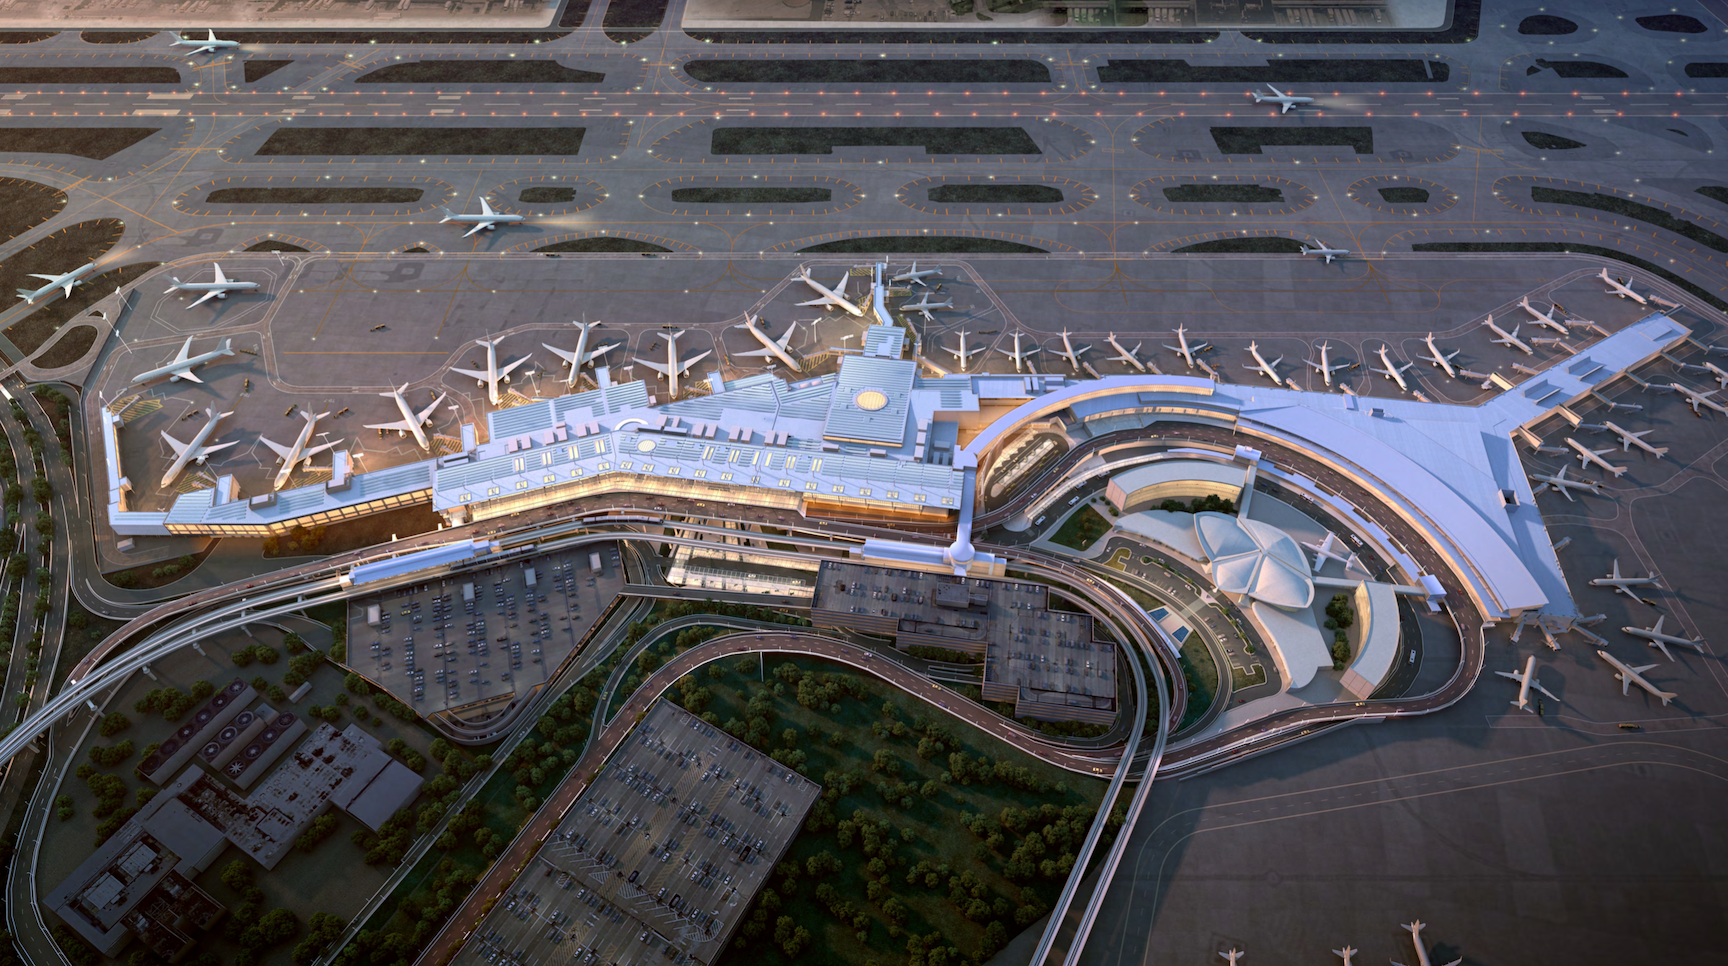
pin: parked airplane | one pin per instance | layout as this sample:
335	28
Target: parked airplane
56	283
673	367
493	376
297	454
916	276
830	298
1544	318
181	366
218	289
1415	930
1623	584
1325	367
1720	374
1324	252
1268	369
1509	339
1441	359
778	348
964	355
411	423
1620	288
924	306
1526	680
1628	676
1129	356
581	355
1694	398
208	44
1393	370
487	218
1020	355
1587	456
1284	101
1660	641
1629	439
1560	484
1070	353
194	451
1183	349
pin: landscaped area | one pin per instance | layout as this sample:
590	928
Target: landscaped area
1082	528
422	141
823	140
1250	140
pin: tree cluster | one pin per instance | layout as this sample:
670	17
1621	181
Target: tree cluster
112	754
172	703
250	925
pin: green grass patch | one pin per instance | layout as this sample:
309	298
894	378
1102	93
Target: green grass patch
979	193
408	141
93	76
309	195
67	349
1404	195
547	194
1672	23
1702	69
631	20
1715	193
1627	208
1246	194
1279	71
272	245
83	632
115	36
1551	142
751	196
33	331
1201	673
1546	25
823	140
1596	251
96	143
603	244
929	653
257	70
868	71
1576	69
26	204
1250	140
462	71
381	37
1082	529
1249	245
924	245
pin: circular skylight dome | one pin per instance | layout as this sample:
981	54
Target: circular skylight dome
870	400
645	446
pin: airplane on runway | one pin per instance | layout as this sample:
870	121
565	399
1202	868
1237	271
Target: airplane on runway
1560	484
1284	101
673	367
1393	370
56	283
1020	355
1629	439
830	298
581	355
1324	252
1620	288
1325	367
297	454
1622	584
916	276
1183	349
1720	374
963	354
218	289
1660	641
411	422
208	44
1628	676
1415	930
1509	339
1129	356
1544	318
1587	456
1070	353
1268	369
1526	680
487	218
924	306
1443	360
1345	954
1694	398
778	348
1232	956
493	376
181	366
194	451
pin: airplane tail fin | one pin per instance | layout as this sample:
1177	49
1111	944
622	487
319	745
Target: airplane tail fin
174	286
448	215
1256	94
26	294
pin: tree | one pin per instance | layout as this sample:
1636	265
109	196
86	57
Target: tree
278	926
237	875
113	723
357	684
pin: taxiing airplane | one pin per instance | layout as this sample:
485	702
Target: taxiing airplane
778	348
1508	339
1629	439
218	289
181	366
1588	456
830	298
1560	484
492	377
1284	101
1622	584
1628	676
1325	367
1694	398
208	45
1070	353
411	423
1415	930
1186	351
1324	252
1526	680
1660	641
673	367
581	355
1443	360
963	355
1019	355
1620	288
194	451
1346	954
297	454
56	283
1232	956
924	306
487	218
1268	369
1393	370
1544	318
916	276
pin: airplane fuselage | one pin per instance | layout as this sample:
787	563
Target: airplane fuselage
194	451
172	369
772	346
1441	359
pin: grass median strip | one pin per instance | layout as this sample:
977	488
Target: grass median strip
995	194
750	196
823	140
1627	208
257	70
358	195
1250	140
480	72
96	143
924	245
868	72
94	76
1280	71
69	348
547	194
602	245
1261	245
1224	193
407	141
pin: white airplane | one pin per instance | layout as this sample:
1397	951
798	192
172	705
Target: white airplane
1544	318
1629	439
1660	641
1268	369
1324	252
1284	101
1560	484
1623	585
1526	680
56	283
1587	456
194	451
1324	366
181	366
1232	956
487	218
1618	287
1070	353
778	348
1720	374
218	289
582	355
1628	676
411	422
916	276
1443	360
924	306
1393	370
1694	398
1129	356
830	298
963	354
492	377
1332	548
1415	929
1183	349
1345	954
673	367
1509	339
297	454
1020	355
208	44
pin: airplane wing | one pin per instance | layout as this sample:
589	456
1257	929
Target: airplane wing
423	415
761	354
207	296
282	452
307	454
608	347
566	354
204	453
684	366
840	286
1286	108
819	300
479	226
661	368
512	366
188	376
178	447
785	341
221	279
486	209
1641	670
47	278
400	424
1513	675
472	373
1538	686
184	353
